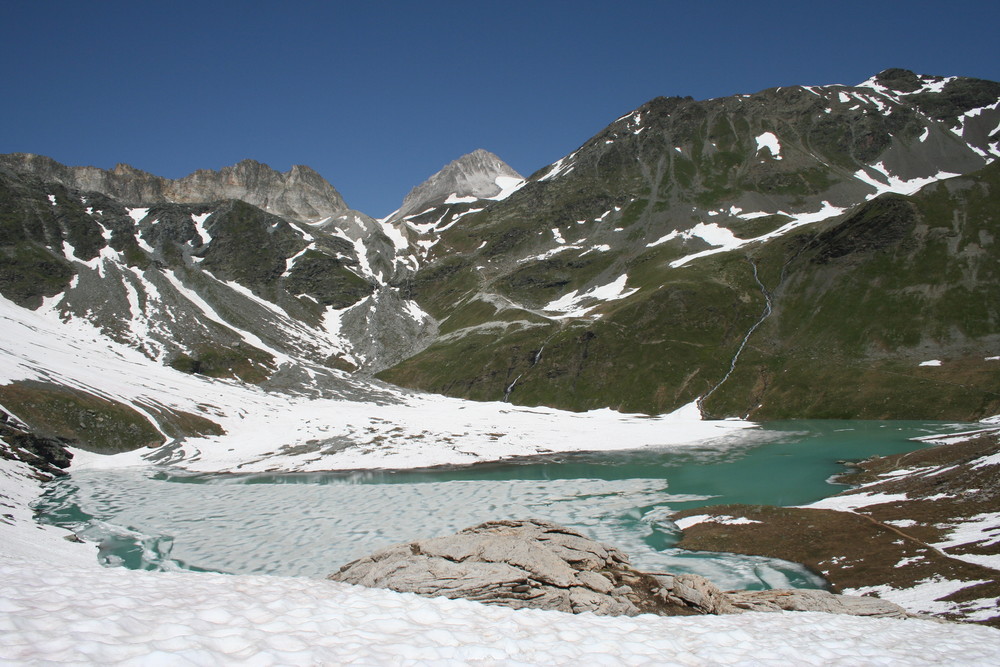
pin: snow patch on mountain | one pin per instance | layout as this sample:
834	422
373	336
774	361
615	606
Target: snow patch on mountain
883	181
560	167
769	141
508	185
453	198
826	211
580	304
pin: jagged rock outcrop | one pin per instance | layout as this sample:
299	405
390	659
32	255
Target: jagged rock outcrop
472	175
48	456
298	193
539	564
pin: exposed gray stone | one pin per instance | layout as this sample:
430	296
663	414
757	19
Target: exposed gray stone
517	564
298	193
814	600
472	175
538	564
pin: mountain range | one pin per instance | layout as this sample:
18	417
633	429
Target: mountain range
802	252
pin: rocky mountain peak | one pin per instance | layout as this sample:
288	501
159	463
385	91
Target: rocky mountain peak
901	80
474	175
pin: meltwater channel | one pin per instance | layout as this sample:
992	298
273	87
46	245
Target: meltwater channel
309	524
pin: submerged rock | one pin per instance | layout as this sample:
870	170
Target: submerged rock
542	565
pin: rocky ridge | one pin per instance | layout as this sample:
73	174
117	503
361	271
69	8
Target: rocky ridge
541	565
300	193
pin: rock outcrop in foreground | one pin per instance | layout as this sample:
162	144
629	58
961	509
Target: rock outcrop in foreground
539	564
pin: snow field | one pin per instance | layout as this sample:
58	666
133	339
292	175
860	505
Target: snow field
92	615
271	431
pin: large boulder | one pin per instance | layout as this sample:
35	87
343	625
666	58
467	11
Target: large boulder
517	564
539	564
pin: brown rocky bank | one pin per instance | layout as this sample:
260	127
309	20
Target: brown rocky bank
894	535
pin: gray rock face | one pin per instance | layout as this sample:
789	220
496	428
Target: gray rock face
812	600
515	564
472	175
538	564
299	193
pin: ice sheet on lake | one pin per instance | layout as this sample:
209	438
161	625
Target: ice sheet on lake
311	528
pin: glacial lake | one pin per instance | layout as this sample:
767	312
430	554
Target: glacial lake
309	524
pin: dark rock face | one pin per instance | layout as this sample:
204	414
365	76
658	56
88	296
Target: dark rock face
541	565
46	455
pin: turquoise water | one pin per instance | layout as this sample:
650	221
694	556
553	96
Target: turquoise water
309	524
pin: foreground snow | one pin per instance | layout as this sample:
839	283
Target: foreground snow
113	616
59	606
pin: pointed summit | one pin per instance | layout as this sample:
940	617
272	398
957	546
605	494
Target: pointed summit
477	175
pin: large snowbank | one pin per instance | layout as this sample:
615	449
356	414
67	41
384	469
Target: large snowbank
90	615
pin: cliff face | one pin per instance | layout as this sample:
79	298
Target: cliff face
299	193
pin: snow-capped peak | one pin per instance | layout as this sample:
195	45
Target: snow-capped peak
477	175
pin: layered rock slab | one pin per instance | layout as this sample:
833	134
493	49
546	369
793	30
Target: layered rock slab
539	564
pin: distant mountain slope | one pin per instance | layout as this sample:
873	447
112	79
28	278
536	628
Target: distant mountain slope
799	252
219	287
631	272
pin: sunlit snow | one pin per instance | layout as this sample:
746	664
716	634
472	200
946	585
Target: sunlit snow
577	304
727	241
885	182
769	141
453	198
508	185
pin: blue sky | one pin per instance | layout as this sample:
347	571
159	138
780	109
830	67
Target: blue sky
377	96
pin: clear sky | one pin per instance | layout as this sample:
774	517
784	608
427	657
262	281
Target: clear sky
377	96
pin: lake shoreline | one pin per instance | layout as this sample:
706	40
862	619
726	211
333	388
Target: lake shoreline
919	529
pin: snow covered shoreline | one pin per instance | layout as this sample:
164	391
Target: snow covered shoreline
354	424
